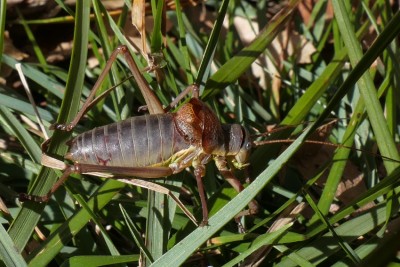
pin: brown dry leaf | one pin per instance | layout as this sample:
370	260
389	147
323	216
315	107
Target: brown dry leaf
27	4
4	209
12	51
286	44
311	157
170	4
285	218
62	51
350	187
142	8
138	14
305	9
113	4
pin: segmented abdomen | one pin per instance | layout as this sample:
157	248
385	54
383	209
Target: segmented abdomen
135	142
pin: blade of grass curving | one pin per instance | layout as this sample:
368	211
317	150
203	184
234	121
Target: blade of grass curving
343	244
392	95
117	95
388	184
340	160
8	254
298	112
182	250
391	80
302	107
388	34
17	103
3	8
23	226
56	241
158	10
95	219
21	133
136	235
262	240
367	89
94	260
47	82
32	39
236	66
324	246
212	42
158	224
182	43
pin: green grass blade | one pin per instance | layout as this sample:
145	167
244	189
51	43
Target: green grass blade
55	242
36	48
3	8
118	94
389	183
299	87
9	255
137	236
157	36
340	161
97	220
233	68
367	88
259	242
211	44
24	224
94	260
157	225
19	104
37	76
344	245
182	43
21	133
177	255
324	246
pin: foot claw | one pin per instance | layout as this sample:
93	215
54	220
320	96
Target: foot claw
204	223
57	126
61	127
26	197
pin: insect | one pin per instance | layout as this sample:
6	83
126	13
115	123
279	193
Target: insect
158	144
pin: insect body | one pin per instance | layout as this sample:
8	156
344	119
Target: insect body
155	145
189	137
141	141
171	141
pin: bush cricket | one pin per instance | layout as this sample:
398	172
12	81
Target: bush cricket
158	144
155	145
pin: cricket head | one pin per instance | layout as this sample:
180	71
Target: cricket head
239	144
242	157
